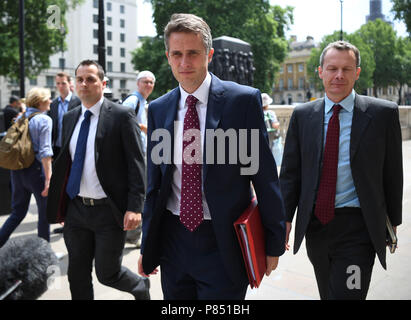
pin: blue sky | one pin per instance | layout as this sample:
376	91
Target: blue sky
314	17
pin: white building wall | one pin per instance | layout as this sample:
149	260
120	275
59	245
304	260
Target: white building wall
80	44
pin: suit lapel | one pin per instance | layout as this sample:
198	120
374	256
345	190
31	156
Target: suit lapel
170	116
316	132
70	125
102	126
215	107
360	121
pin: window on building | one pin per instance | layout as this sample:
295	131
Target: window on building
281	69
122	37
109	21
122	84
95	4
290	68
33	82
108	6
49	81
281	85
122	52
301	83
62	63
95	18
290	84
109	66
301	67
109	35
95	33
122	67
122	10
109	51
122	23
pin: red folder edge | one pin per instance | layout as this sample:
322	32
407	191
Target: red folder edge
256	239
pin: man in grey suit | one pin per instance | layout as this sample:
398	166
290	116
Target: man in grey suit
97	187
342	168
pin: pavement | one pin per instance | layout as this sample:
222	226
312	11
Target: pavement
293	279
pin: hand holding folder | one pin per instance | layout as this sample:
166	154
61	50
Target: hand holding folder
250	233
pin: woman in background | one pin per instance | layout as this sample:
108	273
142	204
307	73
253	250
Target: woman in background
36	178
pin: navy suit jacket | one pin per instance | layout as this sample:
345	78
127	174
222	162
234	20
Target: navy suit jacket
375	158
228	193
54	114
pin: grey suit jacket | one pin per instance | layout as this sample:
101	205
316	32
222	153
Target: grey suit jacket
376	165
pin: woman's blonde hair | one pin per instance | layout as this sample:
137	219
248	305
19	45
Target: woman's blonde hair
36	96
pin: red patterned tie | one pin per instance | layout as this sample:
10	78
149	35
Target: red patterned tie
191	206
325	204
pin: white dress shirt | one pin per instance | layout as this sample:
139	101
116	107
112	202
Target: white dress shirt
90	186
173	202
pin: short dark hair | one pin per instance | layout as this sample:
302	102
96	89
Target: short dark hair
342	45
13	99
64	75
87	62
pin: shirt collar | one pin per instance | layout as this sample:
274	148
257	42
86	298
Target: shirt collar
95	110
140	97
201	93
68	98
347	103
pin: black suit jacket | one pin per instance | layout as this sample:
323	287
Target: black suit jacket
118	158
376	165
228	193
54	114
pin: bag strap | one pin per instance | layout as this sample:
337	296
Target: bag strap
32	115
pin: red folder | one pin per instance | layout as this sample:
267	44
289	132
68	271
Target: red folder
250	233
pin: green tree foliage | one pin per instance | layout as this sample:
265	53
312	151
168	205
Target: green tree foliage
367	61
256	22
402	10
40	41
381	38
402	65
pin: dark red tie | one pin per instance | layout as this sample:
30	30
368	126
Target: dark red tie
191	205
325	204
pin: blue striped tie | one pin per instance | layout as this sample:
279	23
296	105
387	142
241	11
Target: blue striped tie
73	184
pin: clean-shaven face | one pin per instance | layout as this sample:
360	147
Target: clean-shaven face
89	86
339	73
188	59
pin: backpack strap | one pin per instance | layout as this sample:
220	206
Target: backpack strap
138	102
32	115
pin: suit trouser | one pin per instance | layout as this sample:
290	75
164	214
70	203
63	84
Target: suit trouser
191	264
342	255
91	232
26	182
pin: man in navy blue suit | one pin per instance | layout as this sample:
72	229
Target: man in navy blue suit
193	197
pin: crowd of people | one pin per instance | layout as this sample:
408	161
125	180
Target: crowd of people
94	173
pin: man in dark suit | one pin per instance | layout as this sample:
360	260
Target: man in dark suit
59	106
97	187
199	255
342	168
11	111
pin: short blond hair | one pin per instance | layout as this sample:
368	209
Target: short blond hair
36	96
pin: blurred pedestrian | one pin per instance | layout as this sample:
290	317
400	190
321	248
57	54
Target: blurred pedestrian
138	102
11	111
36	178
273	129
